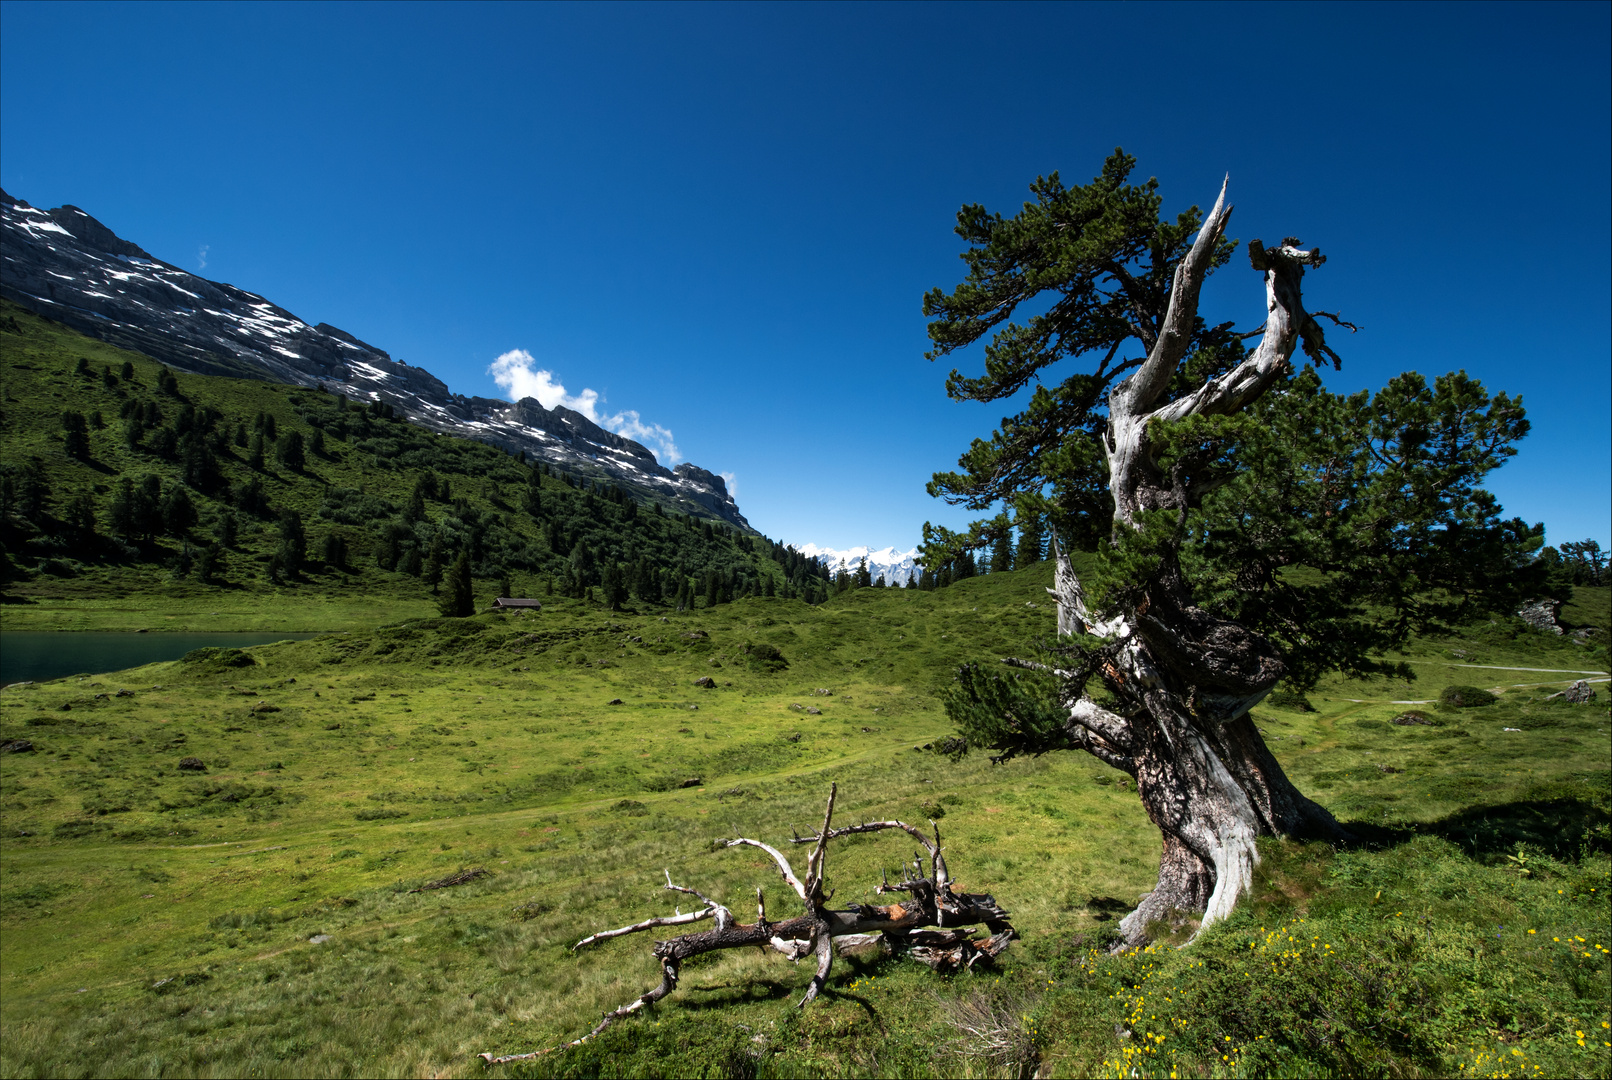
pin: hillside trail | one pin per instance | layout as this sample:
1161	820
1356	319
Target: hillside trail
1500	667
1507	667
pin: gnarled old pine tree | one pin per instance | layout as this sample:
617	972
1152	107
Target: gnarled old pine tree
1244	525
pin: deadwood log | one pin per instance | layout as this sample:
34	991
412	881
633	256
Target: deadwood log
931	900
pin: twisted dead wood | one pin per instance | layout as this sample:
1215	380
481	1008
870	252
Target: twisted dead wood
931	900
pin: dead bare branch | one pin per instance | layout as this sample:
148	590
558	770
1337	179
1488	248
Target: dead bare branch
899	927
1337	319
463	877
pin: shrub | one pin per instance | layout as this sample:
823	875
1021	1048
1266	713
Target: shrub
78	829
222	658
1466	697
1282	698
767	658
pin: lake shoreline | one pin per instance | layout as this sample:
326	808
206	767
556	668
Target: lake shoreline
39	656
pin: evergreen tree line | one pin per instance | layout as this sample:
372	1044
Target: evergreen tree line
497	511
470	501
580	536
1001	553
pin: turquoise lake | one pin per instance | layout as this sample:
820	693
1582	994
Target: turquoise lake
38	657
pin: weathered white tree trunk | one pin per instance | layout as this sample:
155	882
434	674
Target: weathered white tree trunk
1186	679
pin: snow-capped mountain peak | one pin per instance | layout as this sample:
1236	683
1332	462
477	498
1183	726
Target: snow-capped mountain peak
892	566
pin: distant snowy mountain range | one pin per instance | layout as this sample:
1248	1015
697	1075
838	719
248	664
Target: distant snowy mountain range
67	266
894	567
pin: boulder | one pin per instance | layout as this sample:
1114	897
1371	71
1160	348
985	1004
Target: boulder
705	682
1579	693
1543	615
693	781
191	764
17	746
614	701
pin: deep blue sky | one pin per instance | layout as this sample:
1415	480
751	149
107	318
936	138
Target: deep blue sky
724	217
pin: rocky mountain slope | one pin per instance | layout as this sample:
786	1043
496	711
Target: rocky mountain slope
67	266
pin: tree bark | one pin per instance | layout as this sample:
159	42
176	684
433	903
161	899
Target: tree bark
1185	680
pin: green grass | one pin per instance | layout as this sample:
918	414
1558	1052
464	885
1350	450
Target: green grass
158	922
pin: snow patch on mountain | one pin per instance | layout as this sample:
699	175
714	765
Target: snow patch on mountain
69	267
517	373
887	564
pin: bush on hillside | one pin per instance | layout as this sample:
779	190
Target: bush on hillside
224	658
1283	698
766	658
1466	697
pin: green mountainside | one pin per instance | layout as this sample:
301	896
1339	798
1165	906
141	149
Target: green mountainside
132	497
210	864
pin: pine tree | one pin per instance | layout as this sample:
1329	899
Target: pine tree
121	519
81	518
614	587
1032	540
1199	471
431	572
225	527
1002	552
289	451
75	435
335	551
178	512
457	601
210	564
293	542
148	507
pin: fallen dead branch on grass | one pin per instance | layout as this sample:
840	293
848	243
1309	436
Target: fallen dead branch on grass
463	877
899	927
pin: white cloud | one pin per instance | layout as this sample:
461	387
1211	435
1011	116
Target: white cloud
659	439
517	374
732	480
201	257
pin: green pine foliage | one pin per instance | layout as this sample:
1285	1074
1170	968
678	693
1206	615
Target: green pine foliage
272	478
457	601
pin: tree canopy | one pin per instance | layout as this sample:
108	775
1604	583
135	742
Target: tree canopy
1334	524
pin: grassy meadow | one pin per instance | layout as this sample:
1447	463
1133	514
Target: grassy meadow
257	916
